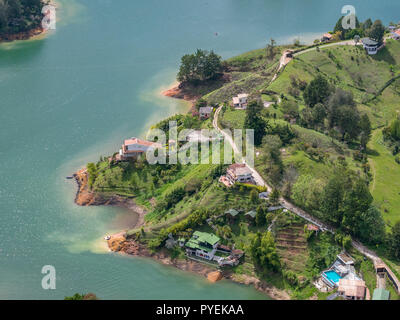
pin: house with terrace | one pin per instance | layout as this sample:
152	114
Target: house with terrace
134	147
205	112
203	245
342	268
326	37
352	289
239	172
240	101
370	45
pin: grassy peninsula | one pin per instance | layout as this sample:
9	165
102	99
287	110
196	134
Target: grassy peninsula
328	136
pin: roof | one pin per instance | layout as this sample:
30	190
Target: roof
312	227
327	35
240	169
352	288
140	142
205	237
345	258
369	42
206	109
397	32
251	213
235	100
381	294
232	212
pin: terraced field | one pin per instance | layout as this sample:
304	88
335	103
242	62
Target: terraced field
292	247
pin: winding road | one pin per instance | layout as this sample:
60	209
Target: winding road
286	204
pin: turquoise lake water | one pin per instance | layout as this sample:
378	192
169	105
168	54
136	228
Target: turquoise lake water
75	95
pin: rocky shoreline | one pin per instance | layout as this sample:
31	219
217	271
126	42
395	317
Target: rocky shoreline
85	197
179	91
120	244
22	35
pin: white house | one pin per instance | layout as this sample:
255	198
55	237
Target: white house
205	112
326	37
240	101
371	46
134	147
239	172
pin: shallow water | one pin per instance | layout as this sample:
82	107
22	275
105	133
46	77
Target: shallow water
75	95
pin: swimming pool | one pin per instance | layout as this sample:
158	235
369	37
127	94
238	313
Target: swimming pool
332	276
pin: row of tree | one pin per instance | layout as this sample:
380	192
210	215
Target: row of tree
201	66
334	109
374	30
344	200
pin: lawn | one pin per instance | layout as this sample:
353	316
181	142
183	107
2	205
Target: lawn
385	186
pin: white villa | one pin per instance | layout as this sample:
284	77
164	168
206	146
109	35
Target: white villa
205	112
240	101
371	46
239	172
134	147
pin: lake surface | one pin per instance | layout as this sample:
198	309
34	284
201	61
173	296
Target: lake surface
75	95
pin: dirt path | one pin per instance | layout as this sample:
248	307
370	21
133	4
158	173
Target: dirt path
286	204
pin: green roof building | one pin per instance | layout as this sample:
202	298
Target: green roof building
251	214
381	294
232	212
203	244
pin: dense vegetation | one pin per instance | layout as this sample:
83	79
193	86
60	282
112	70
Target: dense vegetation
327	141
20	15
200	66
374	30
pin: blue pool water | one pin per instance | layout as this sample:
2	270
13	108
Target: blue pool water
332	276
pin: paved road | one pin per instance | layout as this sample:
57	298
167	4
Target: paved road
286	204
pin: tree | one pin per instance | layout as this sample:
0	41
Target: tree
271	49
254	196
356	202
392	131
18	16
365	127
93	173
345	33
367	24
348	121
317	91
290	108
377	31
260	216
332	197
255	121
371	226
269	258
343	113
263	252
394	240
272	158
274	197
200	66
